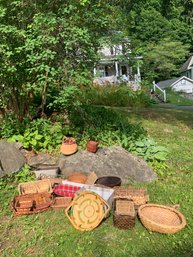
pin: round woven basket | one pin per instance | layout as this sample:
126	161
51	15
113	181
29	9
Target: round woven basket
77	177
160	218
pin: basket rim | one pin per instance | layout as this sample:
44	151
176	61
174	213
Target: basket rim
142	216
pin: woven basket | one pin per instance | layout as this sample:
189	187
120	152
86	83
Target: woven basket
124	214
138	196
61	202
31	203
69	146
35	187
87	211
77	177
123	221
162	219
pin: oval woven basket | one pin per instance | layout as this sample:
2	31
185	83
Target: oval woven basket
160	218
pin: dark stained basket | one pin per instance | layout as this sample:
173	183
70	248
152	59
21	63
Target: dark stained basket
110	181
123	221
124	214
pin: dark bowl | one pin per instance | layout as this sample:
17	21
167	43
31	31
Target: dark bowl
109	181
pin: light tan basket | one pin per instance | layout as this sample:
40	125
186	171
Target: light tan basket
87	210
160	218
35	187
138	196
124	207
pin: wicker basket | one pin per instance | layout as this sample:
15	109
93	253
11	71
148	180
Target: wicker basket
87	210
61	202
39	186
77	177
160	218
124	214
31	203
138	196
69	146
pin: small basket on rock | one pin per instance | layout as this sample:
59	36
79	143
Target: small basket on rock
124	214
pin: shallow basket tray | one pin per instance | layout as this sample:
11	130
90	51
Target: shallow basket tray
33	187
160	218
61	202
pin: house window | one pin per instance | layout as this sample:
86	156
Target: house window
183	82
112	51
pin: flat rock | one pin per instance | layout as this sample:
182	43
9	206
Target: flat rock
41	159
114	161
11	159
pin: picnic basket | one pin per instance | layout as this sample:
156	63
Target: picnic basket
162	219
31	203
35	187
124	214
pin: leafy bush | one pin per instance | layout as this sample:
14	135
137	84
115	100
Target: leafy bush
148	149
41	134
115	96
10	126
23	175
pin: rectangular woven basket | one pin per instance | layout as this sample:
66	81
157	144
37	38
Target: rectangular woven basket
138	196
61	202
124	214
33	187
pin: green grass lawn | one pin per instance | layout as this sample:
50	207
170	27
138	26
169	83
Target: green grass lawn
50	234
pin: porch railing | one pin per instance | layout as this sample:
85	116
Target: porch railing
163	92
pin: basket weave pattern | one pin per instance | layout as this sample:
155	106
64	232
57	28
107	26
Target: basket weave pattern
39	186
123	221
31	203
160	218
124	214
138	196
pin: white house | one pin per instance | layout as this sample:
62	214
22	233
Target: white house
182	84
187	68
113	66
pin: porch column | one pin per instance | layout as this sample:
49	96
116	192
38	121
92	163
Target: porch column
116	69
138	72
94	71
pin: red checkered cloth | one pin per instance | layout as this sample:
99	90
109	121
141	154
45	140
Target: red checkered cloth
65	190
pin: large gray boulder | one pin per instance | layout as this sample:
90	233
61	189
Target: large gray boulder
114	161
11	159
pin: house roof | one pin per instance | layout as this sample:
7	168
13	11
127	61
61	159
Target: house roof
172	82
167	83
188	64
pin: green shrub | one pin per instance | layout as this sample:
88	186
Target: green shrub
113	95
40	134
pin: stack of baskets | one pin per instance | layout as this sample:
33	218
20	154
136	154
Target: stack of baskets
126	204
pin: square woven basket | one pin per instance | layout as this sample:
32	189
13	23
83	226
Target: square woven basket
124	214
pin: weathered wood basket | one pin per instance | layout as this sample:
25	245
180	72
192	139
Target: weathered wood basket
138	196
124	214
